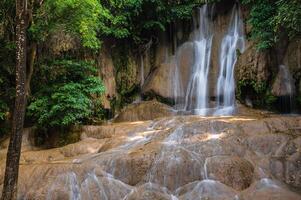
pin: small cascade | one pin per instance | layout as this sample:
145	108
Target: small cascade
176	84
142	78
197	91
286	96
232	42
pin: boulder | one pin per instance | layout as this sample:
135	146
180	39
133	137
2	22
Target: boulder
206	189
149	191
267	189
232	171
175	167
253	65
130	167
143	111
286	163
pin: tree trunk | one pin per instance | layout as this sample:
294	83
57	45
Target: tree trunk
14	148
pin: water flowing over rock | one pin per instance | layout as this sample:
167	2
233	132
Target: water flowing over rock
197	90
232	42
284	88
147	152
177	157
204	63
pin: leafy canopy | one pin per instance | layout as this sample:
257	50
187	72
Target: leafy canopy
270	18
78	17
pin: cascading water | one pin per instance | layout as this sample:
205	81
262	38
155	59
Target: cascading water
234	40
197	91
285	90
177	87
142	78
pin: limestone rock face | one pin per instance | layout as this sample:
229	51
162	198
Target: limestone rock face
144	111
284	84
107	75
232	171
292	58
162	81
27	140
184	157
159	83
253	65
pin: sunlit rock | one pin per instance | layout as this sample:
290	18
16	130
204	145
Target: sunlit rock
143	111
232	171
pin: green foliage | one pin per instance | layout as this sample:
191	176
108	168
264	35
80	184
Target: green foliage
3	110
3	118
270	18
135	19
288	17
259	88
65	94
78	17
7	88
259	92
7	57
7	11
270	99
126	75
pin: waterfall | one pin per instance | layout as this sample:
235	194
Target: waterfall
196	99
176	82
233	40
286	90
142	79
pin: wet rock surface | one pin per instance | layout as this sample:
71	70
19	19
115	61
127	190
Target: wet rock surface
232	171
178	157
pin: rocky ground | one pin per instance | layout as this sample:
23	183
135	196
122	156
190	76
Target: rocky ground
246	157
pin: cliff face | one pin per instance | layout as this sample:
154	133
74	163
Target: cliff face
260	81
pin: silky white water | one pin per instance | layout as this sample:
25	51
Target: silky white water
232	42
196	95
286	90
196	99
176	84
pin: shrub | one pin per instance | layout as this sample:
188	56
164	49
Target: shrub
65	93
